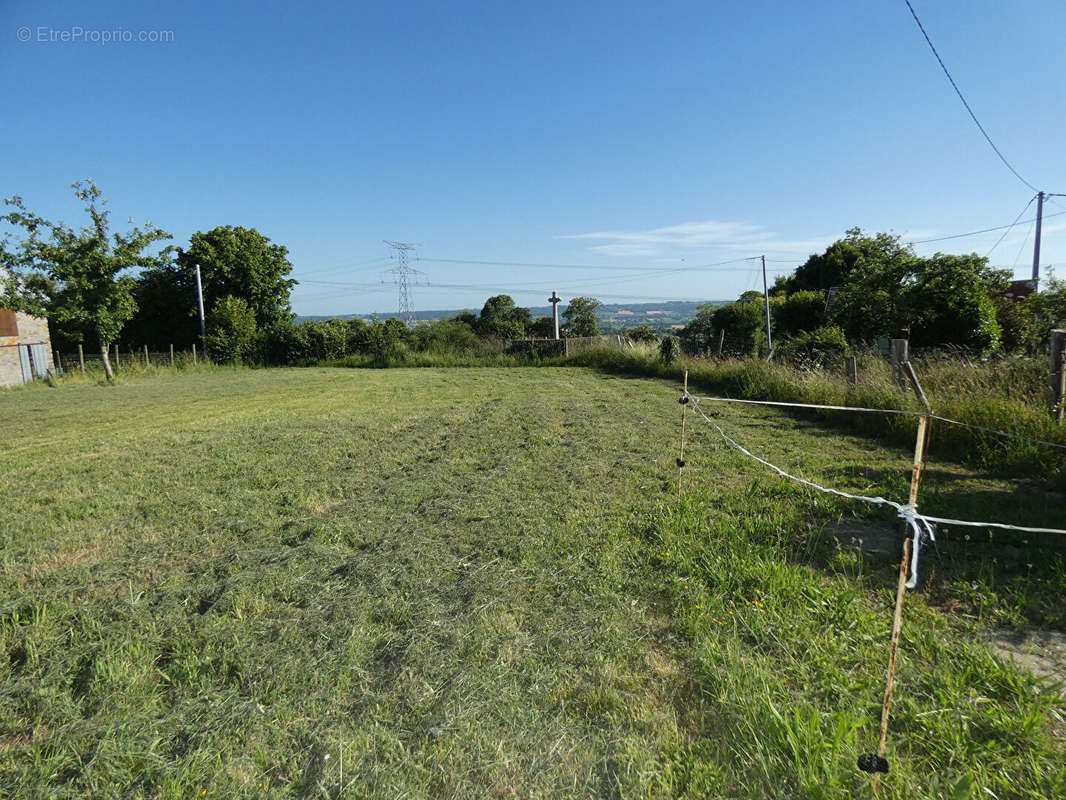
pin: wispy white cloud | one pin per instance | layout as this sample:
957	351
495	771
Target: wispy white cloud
710	234
625	250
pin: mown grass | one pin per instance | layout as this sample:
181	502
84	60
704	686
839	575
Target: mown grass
477	583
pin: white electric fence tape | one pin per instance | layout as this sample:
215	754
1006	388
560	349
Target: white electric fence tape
950	421
918	523
811	405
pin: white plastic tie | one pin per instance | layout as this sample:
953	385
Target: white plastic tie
919	527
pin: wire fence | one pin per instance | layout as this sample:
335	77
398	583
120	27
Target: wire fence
124	359
543	348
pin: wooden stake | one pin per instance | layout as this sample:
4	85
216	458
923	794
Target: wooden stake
853	371
912	376
194	354
681	458
721	342
172	355
81	358
920	442
919	458
58	361
897	627
146	355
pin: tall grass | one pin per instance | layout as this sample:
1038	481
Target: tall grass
1006	395
792	660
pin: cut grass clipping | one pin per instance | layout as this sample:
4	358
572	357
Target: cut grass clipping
477	583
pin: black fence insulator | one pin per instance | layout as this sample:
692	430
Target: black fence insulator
871	762
683	400
680	462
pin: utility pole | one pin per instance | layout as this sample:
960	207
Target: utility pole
200	302
1039	225
402	272
766	297
1036	242
555	300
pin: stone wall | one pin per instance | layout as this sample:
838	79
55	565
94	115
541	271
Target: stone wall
31	330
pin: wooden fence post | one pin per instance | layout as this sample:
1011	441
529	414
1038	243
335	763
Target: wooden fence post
721	342
146	362
117	357
58	360
81	358
194	354
853	371
900	354
1058	373
172	355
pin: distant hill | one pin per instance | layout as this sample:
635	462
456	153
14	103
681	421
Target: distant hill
612	317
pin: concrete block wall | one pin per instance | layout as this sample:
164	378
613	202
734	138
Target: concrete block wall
31	330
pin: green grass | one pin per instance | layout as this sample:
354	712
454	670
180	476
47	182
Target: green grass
1005	394
478	583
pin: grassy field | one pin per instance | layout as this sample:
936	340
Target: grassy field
478	583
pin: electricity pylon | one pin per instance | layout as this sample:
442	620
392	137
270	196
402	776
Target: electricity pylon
402	273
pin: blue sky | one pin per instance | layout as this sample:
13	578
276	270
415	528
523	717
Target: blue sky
630	136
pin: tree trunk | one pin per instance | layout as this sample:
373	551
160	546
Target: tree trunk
106	359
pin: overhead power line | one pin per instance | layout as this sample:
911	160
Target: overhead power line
958	91
540	265
1011	227
349	266
983	230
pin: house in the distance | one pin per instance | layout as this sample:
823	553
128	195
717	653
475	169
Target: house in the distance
25	348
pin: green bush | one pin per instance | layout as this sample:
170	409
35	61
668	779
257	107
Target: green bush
822	348
669	349
231	330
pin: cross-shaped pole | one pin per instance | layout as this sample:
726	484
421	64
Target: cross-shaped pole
555	300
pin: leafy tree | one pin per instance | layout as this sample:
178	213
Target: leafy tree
447	336
501	318
387	339
326	340
166	310
92	300
643	333
882	289
1027	323
580	317
819	348
855	251
239	262
800	311
283	342
669	349
744	320
468	318
699	335
543	328
231	330
22	289
936	301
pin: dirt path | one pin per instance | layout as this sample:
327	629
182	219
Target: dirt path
1043	653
